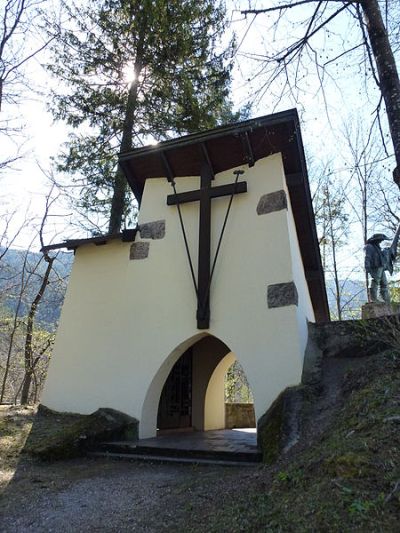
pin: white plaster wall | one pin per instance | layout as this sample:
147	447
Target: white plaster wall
255	253
305	311
125	323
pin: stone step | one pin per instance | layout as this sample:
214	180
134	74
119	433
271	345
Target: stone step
165	459
131	448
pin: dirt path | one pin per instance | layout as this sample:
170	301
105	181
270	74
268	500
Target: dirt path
102	495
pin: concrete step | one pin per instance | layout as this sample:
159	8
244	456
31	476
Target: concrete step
166	459
177	454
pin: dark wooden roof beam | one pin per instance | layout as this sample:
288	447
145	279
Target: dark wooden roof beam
127	235
248	149
206	159
312	275
167	167
295	179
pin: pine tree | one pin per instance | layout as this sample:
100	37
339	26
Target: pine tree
135	70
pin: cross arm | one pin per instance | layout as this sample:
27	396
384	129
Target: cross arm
213	192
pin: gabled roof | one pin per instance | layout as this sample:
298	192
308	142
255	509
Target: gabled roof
231	146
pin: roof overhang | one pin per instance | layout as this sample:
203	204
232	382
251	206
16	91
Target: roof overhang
232	146
127	235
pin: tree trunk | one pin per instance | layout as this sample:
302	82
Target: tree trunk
13	331
389	83
120	184
117	202
26	386
364	197
28	353
335	269
9	353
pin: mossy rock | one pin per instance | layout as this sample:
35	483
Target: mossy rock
276	427
269	431
72	435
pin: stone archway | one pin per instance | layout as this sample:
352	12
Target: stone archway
209	364
148	419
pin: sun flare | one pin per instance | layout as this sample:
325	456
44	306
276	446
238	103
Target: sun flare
129	74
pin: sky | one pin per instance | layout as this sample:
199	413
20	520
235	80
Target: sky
348	94
347	103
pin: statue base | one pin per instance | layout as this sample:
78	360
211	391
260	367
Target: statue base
379	309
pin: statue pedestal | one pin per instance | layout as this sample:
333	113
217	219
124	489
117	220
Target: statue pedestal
378	309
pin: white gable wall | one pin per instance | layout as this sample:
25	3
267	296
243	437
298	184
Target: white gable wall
125	322
304	310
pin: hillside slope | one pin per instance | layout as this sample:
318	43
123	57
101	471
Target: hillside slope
344	474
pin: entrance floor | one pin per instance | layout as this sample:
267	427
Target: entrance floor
221	440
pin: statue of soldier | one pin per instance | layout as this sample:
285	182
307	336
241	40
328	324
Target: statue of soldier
377	261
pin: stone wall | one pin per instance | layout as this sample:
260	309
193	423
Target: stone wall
333	348
347	339
239	415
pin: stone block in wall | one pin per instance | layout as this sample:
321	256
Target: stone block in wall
152	230
139	250
282	295
274	201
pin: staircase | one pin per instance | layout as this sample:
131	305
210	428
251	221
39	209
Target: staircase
225	447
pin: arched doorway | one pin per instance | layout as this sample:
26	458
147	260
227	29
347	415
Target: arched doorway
193	393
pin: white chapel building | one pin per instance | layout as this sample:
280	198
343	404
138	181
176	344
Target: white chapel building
224	265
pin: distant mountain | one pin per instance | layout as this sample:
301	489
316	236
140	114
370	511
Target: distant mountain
353	296
13	274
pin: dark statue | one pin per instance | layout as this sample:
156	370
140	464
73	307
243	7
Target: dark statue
378	261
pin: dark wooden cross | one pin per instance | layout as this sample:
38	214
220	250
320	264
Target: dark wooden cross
204	195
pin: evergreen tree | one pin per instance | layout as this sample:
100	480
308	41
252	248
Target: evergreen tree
135	70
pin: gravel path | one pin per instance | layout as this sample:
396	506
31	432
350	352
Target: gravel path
102	495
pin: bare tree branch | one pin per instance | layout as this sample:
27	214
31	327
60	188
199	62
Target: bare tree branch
285	6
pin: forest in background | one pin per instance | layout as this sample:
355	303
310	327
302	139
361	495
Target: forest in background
48	312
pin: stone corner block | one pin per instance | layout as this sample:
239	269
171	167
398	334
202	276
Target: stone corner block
274	201
152	230
282	295
139	250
